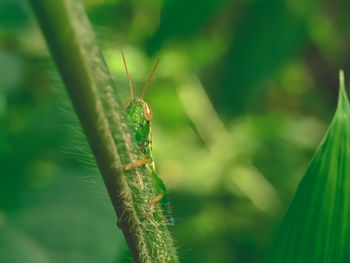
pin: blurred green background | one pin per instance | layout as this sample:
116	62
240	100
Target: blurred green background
242	97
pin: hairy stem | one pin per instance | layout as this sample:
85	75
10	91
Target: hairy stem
73	46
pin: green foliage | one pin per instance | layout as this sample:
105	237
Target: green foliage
315	228
52	226
244	93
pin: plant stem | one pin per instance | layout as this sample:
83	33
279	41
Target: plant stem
73	46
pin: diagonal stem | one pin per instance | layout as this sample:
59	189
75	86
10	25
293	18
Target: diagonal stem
73	46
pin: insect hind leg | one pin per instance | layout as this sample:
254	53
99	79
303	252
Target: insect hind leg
137	163
153	202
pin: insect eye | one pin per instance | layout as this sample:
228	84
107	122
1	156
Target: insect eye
147	111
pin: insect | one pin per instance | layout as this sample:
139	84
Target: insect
140	116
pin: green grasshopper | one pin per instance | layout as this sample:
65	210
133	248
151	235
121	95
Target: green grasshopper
140	116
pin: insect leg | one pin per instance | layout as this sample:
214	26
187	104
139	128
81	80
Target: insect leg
137	164
154	201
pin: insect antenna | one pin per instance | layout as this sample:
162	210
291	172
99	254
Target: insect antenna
127	73
149	79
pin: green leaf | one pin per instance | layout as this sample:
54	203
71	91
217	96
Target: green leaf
315	227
